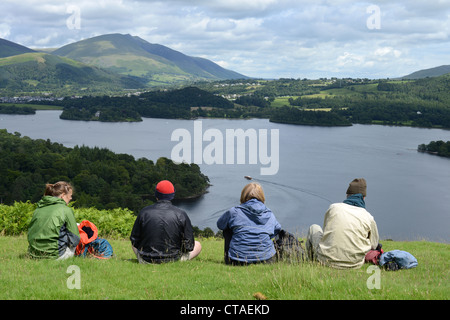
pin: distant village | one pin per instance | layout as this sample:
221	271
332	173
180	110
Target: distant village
26	99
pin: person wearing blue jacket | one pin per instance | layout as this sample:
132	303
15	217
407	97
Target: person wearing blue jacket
249	228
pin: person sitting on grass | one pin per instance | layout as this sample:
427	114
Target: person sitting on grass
163	232
248	229
349	231
53	231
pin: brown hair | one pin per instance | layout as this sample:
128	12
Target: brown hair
252	191
57	188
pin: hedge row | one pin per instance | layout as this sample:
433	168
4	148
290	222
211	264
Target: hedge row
114	223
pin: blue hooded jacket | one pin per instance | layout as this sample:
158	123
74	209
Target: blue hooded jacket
253	226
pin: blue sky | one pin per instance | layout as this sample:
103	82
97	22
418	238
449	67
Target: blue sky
258	38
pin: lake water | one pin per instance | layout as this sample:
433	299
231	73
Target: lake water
408	192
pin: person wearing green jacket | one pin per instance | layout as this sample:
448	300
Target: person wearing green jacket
53	231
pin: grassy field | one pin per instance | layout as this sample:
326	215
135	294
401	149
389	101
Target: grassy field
282	101
208	278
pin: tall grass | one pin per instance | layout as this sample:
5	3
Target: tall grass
207	277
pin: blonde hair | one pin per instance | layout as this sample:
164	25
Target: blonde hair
57	188
252	191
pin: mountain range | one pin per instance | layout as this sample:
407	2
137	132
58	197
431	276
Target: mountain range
131	55
112	62
103	63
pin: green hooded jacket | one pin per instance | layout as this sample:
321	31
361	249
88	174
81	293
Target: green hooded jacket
52	229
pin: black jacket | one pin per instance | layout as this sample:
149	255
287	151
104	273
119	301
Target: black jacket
162	232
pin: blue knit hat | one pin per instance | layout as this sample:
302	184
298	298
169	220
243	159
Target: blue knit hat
165	190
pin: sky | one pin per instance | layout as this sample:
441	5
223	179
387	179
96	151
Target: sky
258	38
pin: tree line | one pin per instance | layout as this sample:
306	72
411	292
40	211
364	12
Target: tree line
12	109
421	103
101	178
156	104
312	118
397	112
439	148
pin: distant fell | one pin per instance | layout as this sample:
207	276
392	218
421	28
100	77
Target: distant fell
131	55
42	72
8	48
431	72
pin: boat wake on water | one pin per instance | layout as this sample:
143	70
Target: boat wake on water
221	211
312	193
217	213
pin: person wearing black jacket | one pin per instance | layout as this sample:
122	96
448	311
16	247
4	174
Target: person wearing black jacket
163	232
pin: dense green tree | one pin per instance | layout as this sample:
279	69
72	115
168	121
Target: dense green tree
314	118
439	148
101	178
7	109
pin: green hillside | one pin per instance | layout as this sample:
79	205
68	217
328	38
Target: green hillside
8	48
119	54
157	64
41	72
101	65
431	72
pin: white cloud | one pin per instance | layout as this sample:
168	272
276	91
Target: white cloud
45	41
5	30
217	25
387	51
349	59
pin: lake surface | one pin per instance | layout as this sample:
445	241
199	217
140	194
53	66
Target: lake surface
408	192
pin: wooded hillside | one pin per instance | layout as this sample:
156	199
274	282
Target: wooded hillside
101	178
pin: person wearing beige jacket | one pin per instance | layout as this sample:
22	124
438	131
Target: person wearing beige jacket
349	231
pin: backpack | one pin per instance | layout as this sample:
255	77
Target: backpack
398	259
90	244
99	248
373	256
288	247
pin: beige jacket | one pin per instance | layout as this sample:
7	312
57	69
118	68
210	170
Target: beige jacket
349	232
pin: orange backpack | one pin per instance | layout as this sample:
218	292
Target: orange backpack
90	245
88	233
